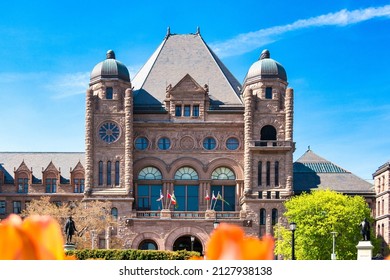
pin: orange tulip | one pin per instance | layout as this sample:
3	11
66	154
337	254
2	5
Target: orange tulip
34	238
229	242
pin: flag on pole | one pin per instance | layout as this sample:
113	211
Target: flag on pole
219	196
213	198
172	198
207	198
161	196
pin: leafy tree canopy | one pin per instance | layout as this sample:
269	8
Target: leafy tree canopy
317	215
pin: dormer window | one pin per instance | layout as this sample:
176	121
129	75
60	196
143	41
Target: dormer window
187	110
178	111
22	185
195	111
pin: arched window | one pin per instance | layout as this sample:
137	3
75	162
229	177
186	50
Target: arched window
117	173
147	245
274	216
108	173
268	132
268	173
223	173
259	173
262	216
114	213
100	173
186	173
276	173
149	173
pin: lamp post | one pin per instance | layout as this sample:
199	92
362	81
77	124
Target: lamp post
293	227
216	222
192	242
333	256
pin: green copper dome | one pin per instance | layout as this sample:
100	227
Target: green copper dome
110	68
265	67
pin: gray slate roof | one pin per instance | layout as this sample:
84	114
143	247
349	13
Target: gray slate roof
314	172
37	161
177	56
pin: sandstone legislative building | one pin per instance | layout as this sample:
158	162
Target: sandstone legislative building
178	147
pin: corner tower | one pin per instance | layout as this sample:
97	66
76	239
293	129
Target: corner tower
268	139
108	137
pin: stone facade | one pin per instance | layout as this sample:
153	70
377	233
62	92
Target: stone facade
183	127
382	207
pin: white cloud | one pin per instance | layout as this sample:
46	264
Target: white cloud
246	42
66	85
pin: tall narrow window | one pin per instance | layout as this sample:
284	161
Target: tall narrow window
2	207
78	185
22	185
100	173
274	216
262	217
268	93
195	111
187	110
114	213
276	173
268	173
178	111
117	173
51	185
109	93
108	173
17	207
259	173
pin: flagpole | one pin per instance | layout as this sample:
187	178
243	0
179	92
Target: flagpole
166	202
207	205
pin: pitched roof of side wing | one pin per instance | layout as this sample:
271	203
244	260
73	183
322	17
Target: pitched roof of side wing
39	161
314	172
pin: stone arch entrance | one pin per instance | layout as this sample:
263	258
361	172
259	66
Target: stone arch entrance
189	243
182	235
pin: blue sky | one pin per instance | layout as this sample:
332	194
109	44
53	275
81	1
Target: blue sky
336	54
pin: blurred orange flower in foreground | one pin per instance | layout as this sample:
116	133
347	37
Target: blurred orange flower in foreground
34	238
229	242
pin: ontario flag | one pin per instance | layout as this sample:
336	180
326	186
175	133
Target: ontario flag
207	197
172	197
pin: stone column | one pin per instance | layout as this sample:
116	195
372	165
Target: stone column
289	105
248	134
89	141
129	141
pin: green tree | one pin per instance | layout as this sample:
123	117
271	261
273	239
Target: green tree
317	214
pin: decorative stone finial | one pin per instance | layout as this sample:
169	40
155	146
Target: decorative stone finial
198	30
110	54
168	31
